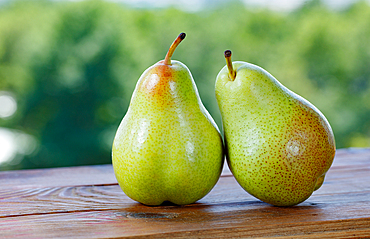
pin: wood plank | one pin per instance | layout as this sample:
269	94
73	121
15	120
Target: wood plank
217	212
87	202
54	177
241	220
85	198
40	200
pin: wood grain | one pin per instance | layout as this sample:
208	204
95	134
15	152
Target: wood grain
86	202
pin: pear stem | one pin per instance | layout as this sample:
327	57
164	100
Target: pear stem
229	63
175	43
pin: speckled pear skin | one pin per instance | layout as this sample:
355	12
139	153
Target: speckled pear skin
167	147
278	145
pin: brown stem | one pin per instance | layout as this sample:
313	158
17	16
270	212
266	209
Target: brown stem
175	43
229	63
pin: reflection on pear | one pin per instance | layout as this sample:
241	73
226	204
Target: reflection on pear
167	147
278	145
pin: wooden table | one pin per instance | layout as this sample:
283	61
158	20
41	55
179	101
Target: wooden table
86	202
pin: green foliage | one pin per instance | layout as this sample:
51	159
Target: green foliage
73	66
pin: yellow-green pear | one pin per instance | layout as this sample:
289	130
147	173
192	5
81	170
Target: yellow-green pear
278	145
167	147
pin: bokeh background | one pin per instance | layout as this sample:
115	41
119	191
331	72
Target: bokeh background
68	68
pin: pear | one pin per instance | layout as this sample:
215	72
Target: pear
167	147
278	145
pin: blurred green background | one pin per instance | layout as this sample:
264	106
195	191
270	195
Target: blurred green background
68	69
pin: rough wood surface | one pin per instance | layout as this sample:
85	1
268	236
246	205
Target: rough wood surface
86	202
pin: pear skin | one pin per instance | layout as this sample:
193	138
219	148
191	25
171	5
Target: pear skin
167	147
278	145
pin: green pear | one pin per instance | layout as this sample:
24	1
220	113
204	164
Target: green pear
167	147
278	145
